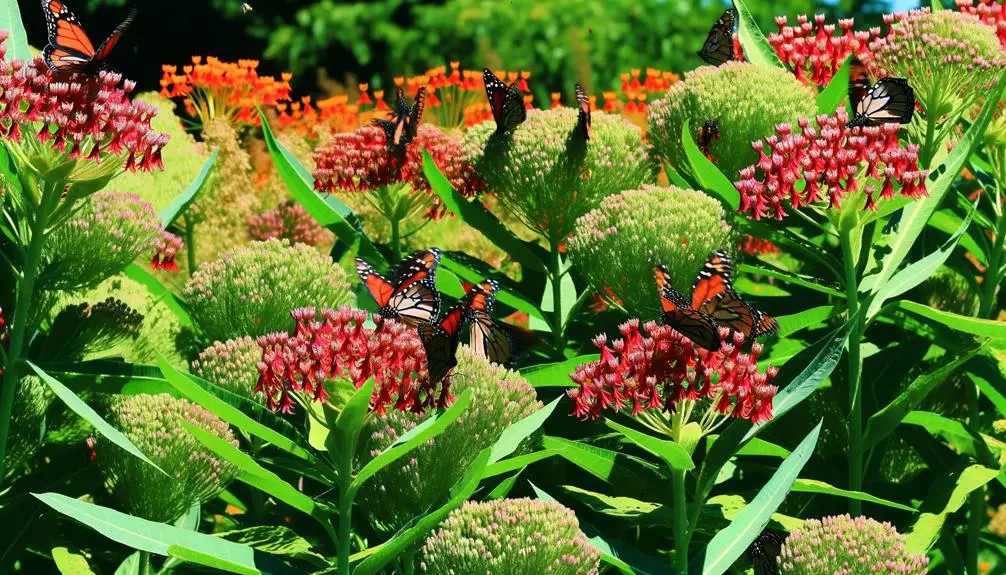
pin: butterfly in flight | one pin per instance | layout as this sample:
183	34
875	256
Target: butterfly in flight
403	126
69	48
764	551
708	133
713	294
692	323
486	336
583	116
410	295
890	100
441	339
506	102
719	45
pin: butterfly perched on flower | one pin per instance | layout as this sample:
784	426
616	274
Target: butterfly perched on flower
583	113
714	295
69	48
505	102
764	552
410	295
486	336
403	126
719	45
441	339
692	323
708	133
888	101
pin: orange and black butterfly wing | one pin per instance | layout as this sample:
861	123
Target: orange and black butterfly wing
486	336
692	323
719	45
114	37
69	48
415	299
380	288
440	341
396	130
416	114
764	324
583	117
859	83
714	295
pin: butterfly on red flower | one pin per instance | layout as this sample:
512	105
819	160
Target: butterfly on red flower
692	323
69	48
410	295
401	129
714	295
888	101
441	339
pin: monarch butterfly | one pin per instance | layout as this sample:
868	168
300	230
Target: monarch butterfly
714	294
764	552
410	295
583	118
91	442
890	100
692	323
719	45
506	102
486	336
440	340
69	48
403	126
709	132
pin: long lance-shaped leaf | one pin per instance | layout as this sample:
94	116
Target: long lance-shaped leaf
757	50
160	292
708	175
949	499
836	91
966	324
17	38
182	201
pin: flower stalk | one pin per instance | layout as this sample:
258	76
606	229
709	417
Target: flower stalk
854	370
555	276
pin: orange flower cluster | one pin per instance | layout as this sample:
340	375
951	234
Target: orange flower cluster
638	91
213	88
329	116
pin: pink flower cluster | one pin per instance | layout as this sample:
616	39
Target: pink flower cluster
164	253
813	52
448	155
990	12
289	221
79	115
804	166
336	344
661	367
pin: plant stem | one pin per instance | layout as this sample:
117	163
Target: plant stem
145	568
855	373
680	521
408	562
396	238
190	244
927	151
555	276
345	469
22	308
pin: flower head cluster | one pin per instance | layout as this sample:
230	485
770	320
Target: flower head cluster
31	401
213	88
811	164
637	91
154	424
401	490
841	544
950	58
79	121
251	290
337	344
617	244
733	95
454	94
233	365
542	177
755	246
104	236
289	221
331	115
991	13
657	368
813	52
165	252
510	537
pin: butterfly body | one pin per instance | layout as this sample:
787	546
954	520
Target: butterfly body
410	295
889	100
583	113
69	49
505	102
719	45
714	295
708	133
692	323
764	552
440	341
403	126
486	336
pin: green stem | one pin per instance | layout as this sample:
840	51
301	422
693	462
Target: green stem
345	469
145	568
927	152
409	562
555	276
190	244
855	373
22	309
680	521
396	238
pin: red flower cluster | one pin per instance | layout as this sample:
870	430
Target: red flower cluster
288	221
813	52
164	253
80	116
991	12
448	155
755	246
659	369
338	345
827	160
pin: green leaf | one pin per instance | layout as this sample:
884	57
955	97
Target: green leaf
757	50
917	213
351	417
831	97
994	394
70	563
504	487
630	508
277	540
947	221
732	542
789	324
555	374
567	291
473	213
605	464
183	200
518	431
935	5
815	486
255	475
808	282
884	422
328	211
962	439
948	500
918	272
759	447
673	454
130	565
17	39
417	436
84	410
166	540
185	385
975	326
141	276
464	488
505	295
519	462
709	177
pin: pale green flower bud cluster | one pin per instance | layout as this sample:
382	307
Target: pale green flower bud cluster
154	424
405	488
509	537
546	179
842	545
745	100
616	245
231	365
252	290
27	424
